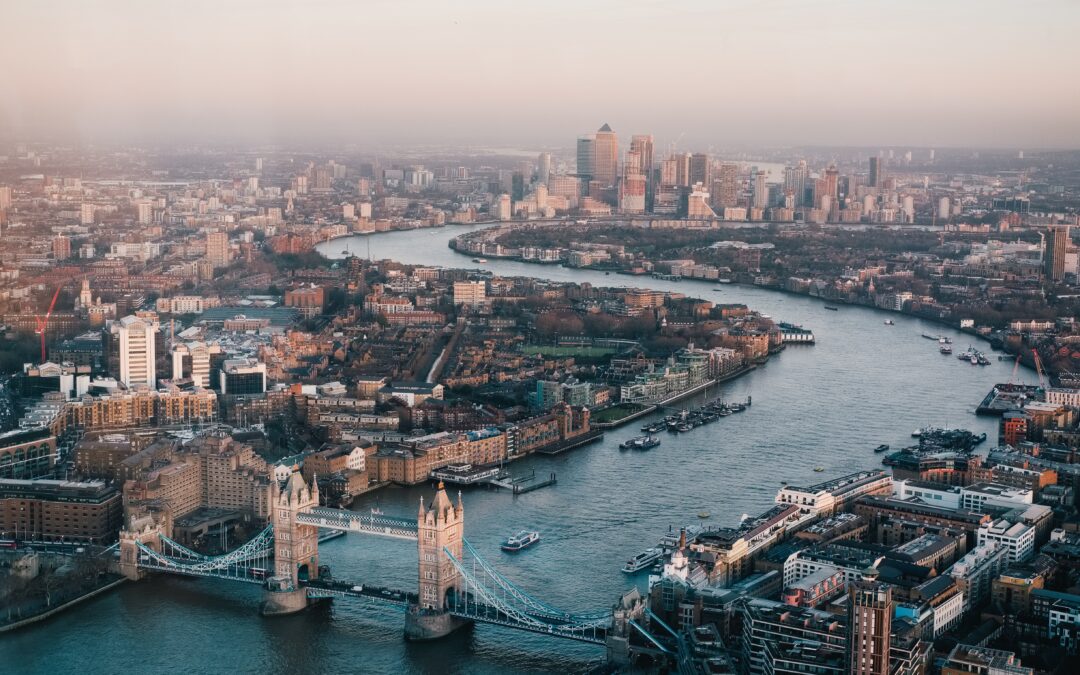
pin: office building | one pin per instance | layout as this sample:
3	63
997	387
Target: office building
1057	245
605	168
242	377
1018	539
543	168
877	172
870	613
137	338
642	144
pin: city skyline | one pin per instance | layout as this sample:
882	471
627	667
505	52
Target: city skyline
821	73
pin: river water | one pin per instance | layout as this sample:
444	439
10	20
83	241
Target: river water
864	383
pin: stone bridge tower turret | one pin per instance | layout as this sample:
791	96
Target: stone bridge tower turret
439	528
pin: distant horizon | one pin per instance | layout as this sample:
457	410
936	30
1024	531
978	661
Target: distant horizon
965	73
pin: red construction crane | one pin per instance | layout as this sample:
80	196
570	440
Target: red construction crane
43	322
1039	368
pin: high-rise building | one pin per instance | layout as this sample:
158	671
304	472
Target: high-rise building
5	198
642	144
543	167
517	186
726	190
682	169
795	181
761	191
606	157
877	172
586	158
61	247
870	611
700	170
1057	244
504	207
632	194
145	213
136	343
217	249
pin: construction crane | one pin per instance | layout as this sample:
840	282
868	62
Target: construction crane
43	322
1039	369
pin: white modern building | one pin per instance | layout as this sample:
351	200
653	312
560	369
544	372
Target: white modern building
1017	539
136	346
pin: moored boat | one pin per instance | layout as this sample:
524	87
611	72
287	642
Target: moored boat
642	560
881	448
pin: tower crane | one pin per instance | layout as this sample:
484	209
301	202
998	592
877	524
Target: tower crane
43	322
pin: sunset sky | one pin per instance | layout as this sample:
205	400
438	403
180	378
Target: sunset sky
918	73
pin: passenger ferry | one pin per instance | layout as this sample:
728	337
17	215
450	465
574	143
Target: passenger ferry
523	539
642	560
640	443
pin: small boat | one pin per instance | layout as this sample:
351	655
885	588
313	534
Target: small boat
881	448
640	443
832	309
818	469
376	511
642	560
889	322
684	427
523	539
945	349
703	514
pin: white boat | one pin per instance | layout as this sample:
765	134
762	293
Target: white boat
521	540
642	560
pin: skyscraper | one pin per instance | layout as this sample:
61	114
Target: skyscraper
700	171
870	610
877	172
682	169
543	167
726	190
606	157
586	158
795	181
136	345
642	144
1057	244
761	191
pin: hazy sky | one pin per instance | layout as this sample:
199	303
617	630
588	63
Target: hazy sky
861	72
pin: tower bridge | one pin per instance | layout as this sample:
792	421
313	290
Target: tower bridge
456	585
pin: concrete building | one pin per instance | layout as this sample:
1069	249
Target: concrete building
242	377
136	344
470	293
217	249
1017	539
870	614
975	572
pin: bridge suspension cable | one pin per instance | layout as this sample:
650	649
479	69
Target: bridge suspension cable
538	606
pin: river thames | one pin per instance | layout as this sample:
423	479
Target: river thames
863	384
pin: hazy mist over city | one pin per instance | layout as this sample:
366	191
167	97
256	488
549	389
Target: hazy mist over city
923	74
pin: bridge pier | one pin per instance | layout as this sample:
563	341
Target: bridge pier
283	600
430	624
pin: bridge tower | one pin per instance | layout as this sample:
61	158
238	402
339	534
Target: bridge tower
439	526
296	547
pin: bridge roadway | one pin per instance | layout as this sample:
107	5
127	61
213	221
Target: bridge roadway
464	606
356	521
